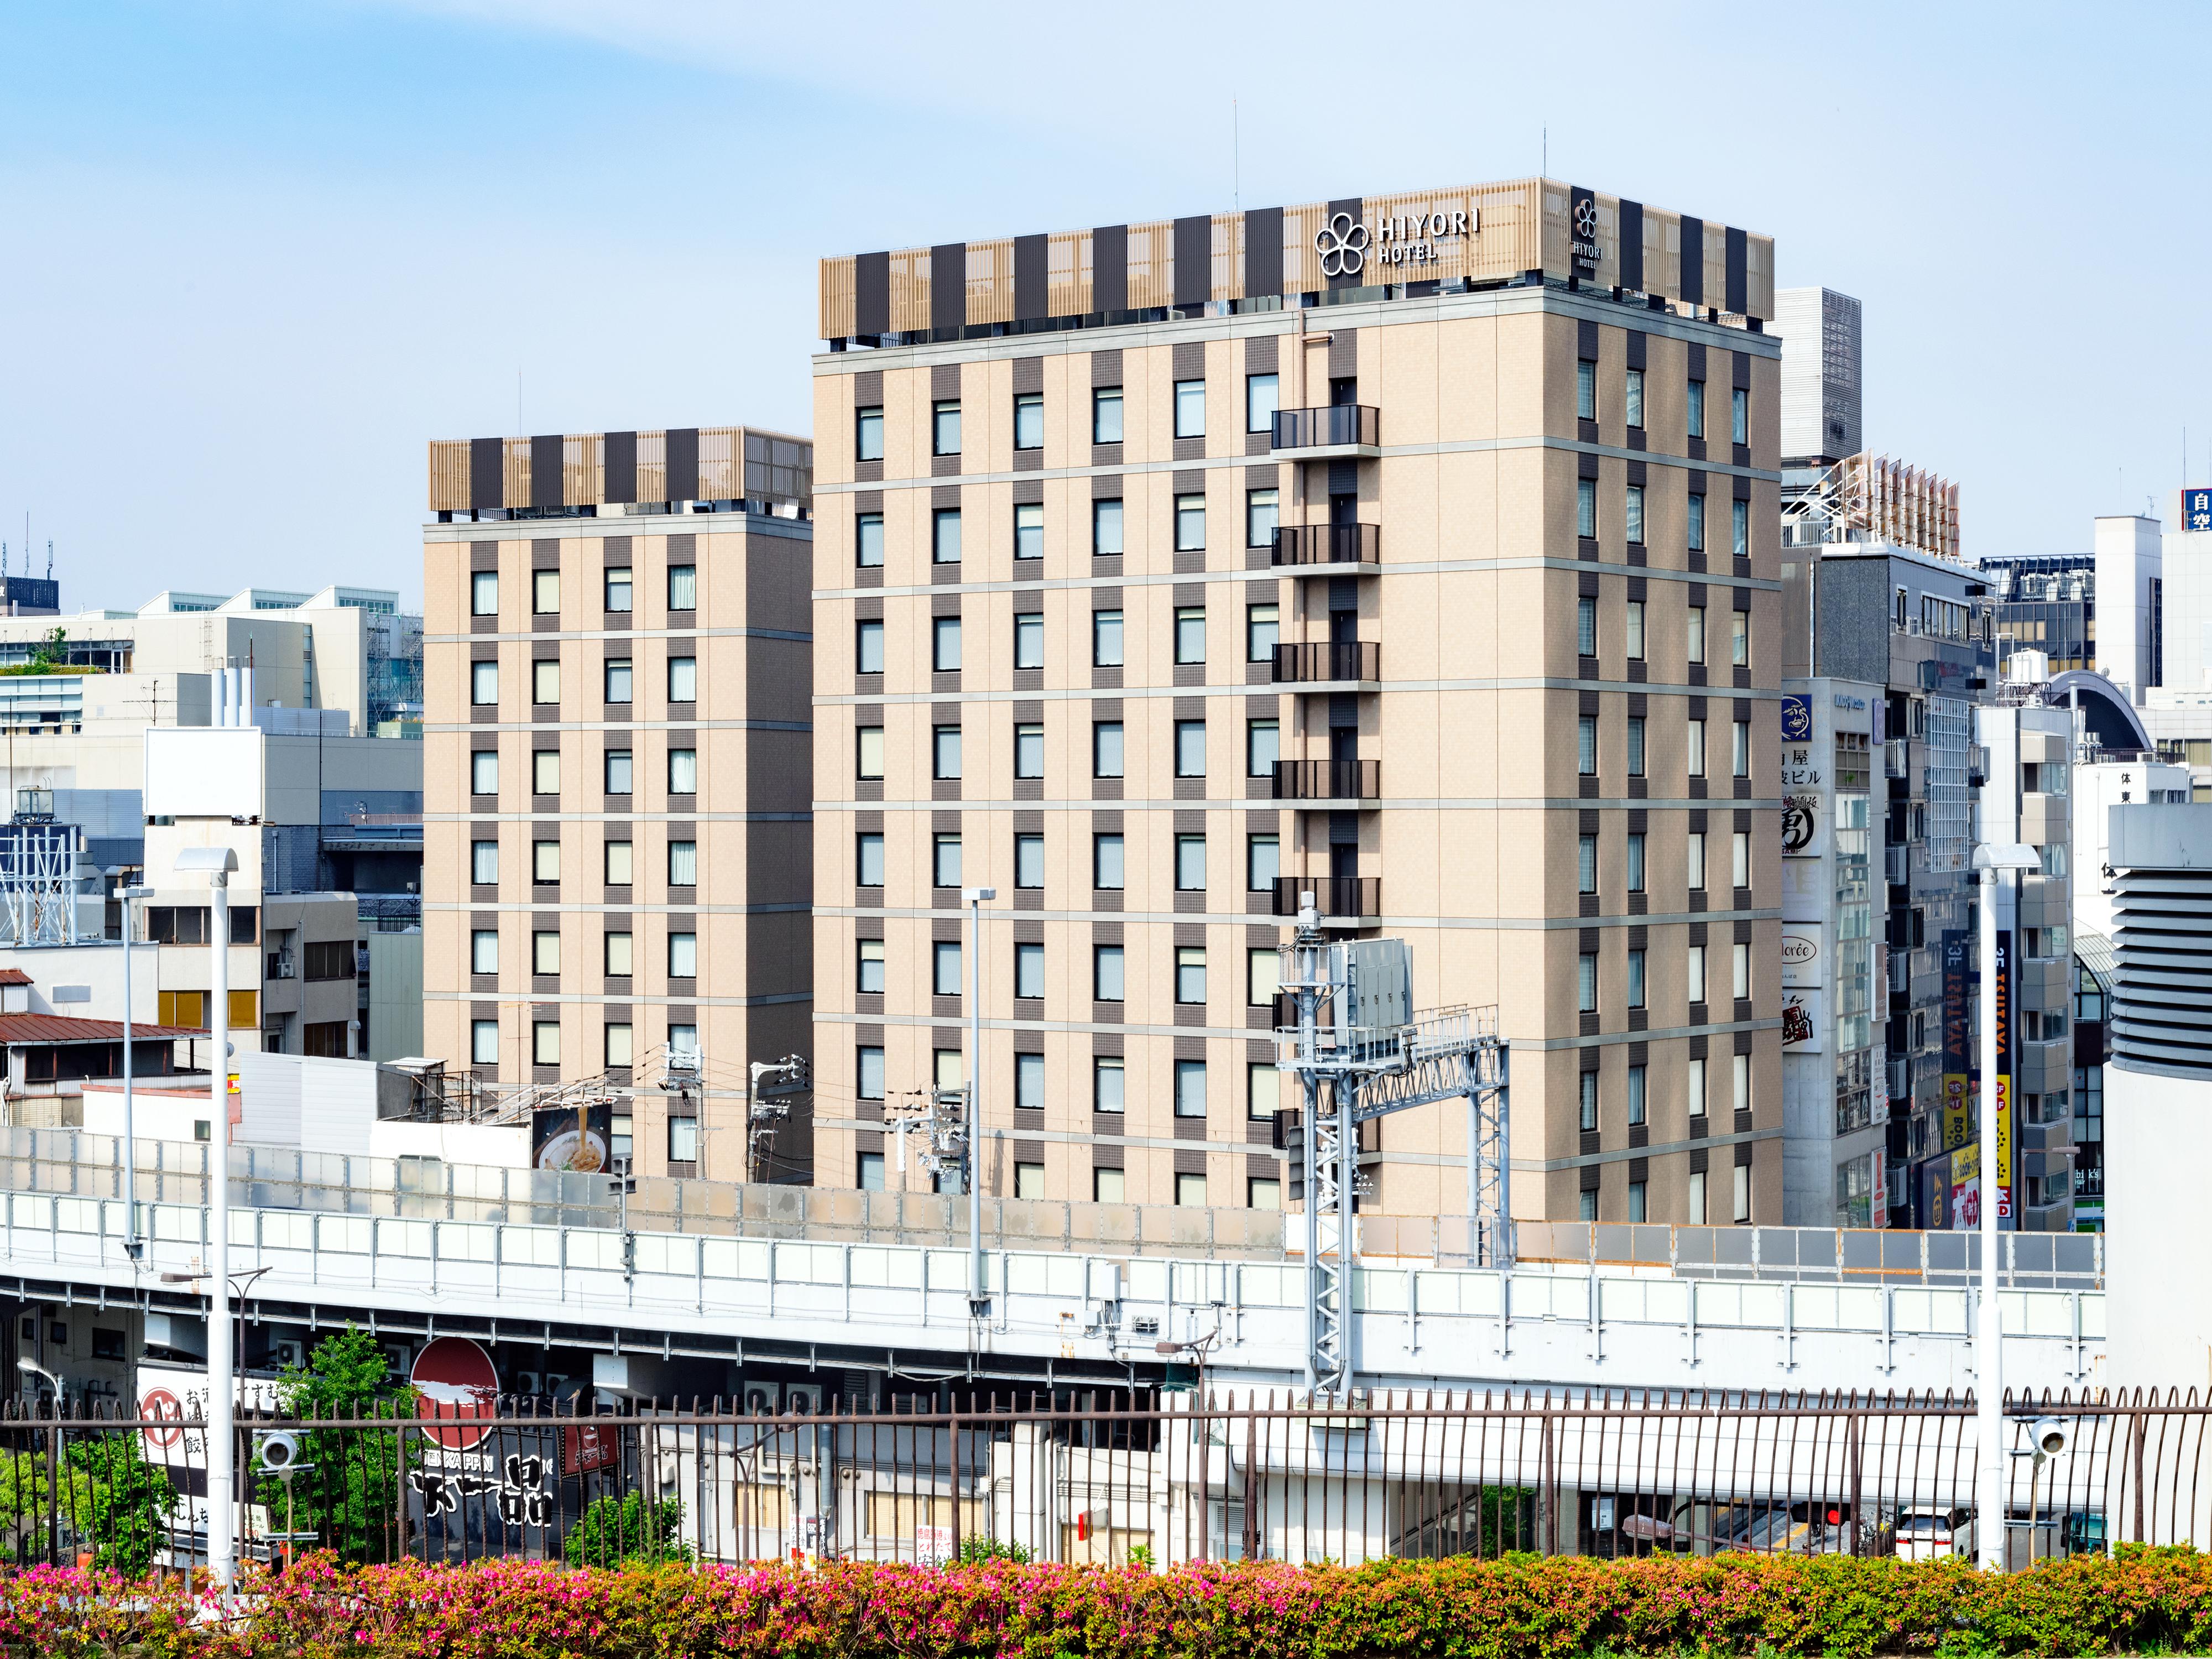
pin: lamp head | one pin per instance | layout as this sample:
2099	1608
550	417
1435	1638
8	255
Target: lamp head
207	860
979	895
1994	856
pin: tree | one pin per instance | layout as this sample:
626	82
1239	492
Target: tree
351	1493
115	1506
619	1531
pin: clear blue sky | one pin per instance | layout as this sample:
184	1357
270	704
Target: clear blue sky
253	254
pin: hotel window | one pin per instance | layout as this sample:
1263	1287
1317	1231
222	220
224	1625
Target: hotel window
1190	864
1740	638
682	864
1638	1096
1028	531
1694	1087
1190	973
1586	508
1639	1200
1261	398
1029	1082
1263	626
1697	412
1740	528
1107	864
1586	627
1190	749
1107	1095
684	679
1109	974
868	434
1106	414
1190	1088
1263	1091
945	536
483	863
1636	978
1263	746
945	862
945	428
944	967
682	1140
618	597
1029	971
1695	868
682	771
1739	971
1741	1173
870	980
1694	537
1263	1193
1631	401
1585	390
615	954
1740	750
1696	1197
1261	512
1029	420
1740	1081
484	594
1739	415
1190	524
1263	971
615	863
545	592
1586	746
1631	522
1586	1103
683	587
545	1043
868	858
484	951
1106	529
1635	844
1586	1204
484	772
1108	1186
619	677
1190	408
1636	727
682	957
868	540
868	1072
945	752
483	683
545	864
1694	748
621	1043
545	952
1106	748
868	751
1695	634
1586	982
545	680
868	649
1263	862
1028	861
1106	639
1029	751
1189	635
1586	865
1740	858
944	645
1694	977
1029	639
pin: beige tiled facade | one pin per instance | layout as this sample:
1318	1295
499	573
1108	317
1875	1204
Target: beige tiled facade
1471	710
588	972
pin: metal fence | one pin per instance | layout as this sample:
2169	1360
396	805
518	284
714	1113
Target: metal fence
1114	1478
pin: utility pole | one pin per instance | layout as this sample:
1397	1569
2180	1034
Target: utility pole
133	1244
979	1296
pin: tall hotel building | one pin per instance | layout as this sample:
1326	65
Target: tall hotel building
616	773
1418	551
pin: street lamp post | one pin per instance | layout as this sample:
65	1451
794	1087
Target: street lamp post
217	863
53	1463
1991	1474
134	1244
979	1299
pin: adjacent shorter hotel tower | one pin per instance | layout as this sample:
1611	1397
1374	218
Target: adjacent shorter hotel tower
616	860
1420	551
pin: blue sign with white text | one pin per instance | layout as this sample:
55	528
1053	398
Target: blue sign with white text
2196	509
1796	720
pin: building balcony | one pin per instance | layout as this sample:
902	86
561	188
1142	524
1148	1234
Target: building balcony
1328	544
1320	660
1334	895
1338	431
1329	779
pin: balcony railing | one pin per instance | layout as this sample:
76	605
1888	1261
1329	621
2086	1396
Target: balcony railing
1328	660
1339	426
1329	779
1328	544
1334	895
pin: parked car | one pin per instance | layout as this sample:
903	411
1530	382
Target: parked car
1932	1534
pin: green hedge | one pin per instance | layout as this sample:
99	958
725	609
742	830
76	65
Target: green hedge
2145	1600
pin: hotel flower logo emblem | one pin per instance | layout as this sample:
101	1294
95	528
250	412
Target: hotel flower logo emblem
1342	247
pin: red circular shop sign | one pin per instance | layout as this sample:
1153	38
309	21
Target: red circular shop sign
456	1392
161	1406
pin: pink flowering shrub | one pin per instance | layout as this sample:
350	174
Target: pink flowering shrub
1523	1607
